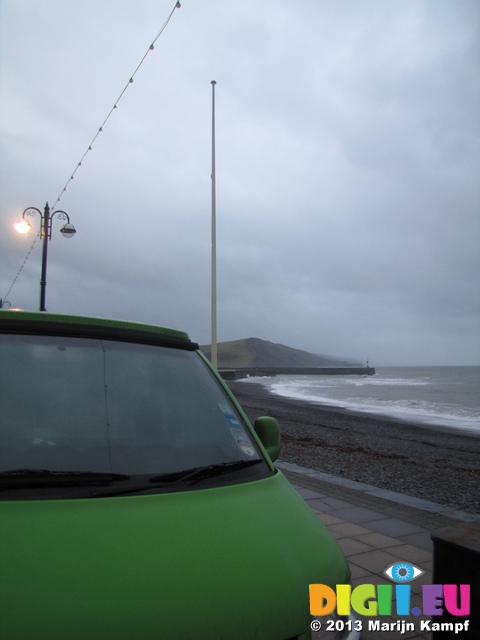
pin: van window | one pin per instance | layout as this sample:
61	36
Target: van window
102	405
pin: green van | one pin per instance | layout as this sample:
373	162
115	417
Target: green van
136	500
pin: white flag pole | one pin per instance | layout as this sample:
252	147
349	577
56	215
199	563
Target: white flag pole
213	357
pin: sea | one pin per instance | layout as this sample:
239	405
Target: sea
440	396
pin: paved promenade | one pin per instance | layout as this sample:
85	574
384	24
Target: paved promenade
375	529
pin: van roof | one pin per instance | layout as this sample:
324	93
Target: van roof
45	323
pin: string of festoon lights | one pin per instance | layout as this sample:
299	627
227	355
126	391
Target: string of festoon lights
98	132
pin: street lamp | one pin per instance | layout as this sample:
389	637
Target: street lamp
68	231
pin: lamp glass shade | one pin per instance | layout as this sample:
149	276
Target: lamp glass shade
68	230
22	226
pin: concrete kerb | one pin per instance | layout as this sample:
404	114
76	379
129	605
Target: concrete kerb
382	494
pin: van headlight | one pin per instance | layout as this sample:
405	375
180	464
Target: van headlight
335	627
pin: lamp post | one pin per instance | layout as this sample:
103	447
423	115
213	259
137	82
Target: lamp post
68	231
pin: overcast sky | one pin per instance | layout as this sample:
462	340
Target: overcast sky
347	168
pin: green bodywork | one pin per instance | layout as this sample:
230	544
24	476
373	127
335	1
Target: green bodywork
229	562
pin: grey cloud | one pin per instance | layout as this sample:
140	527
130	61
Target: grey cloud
348	194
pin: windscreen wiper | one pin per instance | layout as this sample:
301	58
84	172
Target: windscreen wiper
190	476
207	471
28	478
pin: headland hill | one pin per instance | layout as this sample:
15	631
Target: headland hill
239	359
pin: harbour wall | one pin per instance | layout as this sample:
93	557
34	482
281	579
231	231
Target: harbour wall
246	372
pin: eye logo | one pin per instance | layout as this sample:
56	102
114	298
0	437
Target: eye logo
403	572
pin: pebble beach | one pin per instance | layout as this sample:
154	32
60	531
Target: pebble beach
433	463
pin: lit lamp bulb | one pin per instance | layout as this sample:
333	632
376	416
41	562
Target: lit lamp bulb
22	226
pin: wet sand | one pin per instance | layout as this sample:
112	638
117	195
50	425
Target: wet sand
429	462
